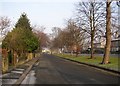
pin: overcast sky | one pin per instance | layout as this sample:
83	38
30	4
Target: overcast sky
47	13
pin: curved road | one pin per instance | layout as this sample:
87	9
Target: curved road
54	70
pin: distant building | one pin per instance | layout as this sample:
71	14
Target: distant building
115	45
99	45
96	45
86	46
46	50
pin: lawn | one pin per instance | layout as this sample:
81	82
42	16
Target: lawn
112	65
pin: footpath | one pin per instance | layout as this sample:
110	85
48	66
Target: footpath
16	75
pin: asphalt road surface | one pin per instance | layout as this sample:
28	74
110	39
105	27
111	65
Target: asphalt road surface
55	70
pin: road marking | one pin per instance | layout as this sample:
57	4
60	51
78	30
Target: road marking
20	69
20	72
92	79
3	75
8	81
37	63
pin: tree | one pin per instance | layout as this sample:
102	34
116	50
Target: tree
23	39
70	38
76	36
55	38
90	19
31	42
4	24
42	38
58	41
23	22
108	33
55	31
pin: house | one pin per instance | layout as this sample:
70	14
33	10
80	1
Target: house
86	46
99	45
115	45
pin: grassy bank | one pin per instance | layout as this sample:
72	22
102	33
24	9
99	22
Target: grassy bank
114	64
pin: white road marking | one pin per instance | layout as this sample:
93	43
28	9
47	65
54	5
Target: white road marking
20	72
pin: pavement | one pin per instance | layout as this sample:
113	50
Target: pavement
54	70
17	75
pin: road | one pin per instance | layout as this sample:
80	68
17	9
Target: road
54	70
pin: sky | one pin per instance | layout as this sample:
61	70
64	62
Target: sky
47	13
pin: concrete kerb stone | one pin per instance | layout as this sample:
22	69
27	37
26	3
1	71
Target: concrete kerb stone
91	65
22	77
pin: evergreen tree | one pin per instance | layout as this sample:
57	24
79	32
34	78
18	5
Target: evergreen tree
23	22
21	37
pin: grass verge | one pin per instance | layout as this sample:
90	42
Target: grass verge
114	61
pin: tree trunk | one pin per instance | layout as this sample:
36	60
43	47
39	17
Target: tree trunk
77	52
92	25
108	33
92	47
14	57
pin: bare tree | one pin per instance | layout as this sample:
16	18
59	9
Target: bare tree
114	20
36	28
42	36
76	36
43	39
56	31
4	24
70	38
56	39
108	33
90	19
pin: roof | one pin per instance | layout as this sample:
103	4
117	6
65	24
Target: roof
118	39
